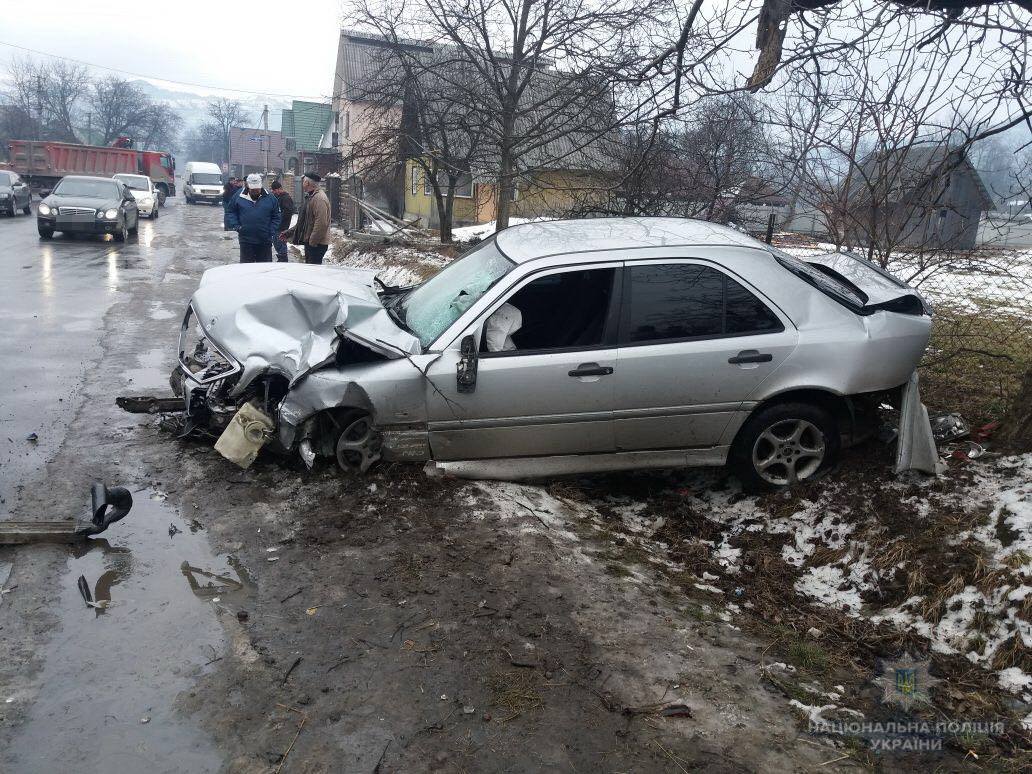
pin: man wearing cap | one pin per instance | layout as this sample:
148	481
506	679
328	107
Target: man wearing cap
313	221
254	214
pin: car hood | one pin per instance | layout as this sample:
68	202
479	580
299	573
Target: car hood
141	194
81	201
878	285
289	318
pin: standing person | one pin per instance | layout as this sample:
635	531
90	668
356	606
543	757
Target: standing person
313	221
254	214
231	187
286	205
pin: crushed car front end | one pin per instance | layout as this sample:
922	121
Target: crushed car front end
265	348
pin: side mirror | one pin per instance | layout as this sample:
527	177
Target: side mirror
466	370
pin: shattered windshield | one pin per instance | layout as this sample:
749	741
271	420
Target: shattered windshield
437	303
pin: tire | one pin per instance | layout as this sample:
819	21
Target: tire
154	214
45	233
136	225
356	445
123	234
784	444
27	209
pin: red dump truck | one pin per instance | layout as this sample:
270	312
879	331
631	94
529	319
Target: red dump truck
43	163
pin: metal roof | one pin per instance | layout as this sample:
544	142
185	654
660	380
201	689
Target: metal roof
306	122
528	241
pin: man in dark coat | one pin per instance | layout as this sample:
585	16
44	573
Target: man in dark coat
254	214
286	205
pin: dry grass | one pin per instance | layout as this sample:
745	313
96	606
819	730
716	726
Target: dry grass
515	691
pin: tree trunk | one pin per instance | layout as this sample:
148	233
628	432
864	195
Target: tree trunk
1017	424
503	205
448	213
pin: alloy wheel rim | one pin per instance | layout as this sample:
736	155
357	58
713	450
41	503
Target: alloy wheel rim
358	446
789	451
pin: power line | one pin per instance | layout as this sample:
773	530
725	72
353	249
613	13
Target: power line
156	77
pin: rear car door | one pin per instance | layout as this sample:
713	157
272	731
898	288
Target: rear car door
695	341
551	395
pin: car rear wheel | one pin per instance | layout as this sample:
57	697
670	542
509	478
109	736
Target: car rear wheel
357	445
45	233
27	209
784	445
154	214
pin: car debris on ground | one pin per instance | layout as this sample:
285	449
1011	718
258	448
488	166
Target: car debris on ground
109	506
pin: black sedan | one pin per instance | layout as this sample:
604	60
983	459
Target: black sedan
88	205
14	194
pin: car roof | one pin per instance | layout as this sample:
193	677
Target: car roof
88	177
128	174
527	241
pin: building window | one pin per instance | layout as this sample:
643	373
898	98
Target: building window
464	187
415	179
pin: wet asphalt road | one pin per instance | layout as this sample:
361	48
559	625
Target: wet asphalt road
86	319
52	304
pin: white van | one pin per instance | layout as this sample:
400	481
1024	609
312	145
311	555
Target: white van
202	182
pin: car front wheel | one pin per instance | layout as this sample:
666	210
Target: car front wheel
45	233
357	444
783	445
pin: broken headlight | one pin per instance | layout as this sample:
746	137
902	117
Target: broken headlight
198	354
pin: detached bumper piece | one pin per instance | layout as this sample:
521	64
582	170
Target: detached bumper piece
109	505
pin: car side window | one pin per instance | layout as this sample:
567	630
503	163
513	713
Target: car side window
677	301
563	311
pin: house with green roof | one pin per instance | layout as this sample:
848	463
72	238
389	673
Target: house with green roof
306	129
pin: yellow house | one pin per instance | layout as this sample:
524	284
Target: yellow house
550	193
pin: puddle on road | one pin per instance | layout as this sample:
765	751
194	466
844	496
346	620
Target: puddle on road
107	669
153	371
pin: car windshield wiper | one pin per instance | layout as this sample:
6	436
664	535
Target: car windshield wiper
392	305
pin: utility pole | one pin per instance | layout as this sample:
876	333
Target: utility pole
265	126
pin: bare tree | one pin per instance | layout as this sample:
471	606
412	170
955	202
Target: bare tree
536	77
417	110
204	143
116	108
159	128
225	115
46	96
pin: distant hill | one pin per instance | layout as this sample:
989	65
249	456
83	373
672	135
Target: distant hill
193	107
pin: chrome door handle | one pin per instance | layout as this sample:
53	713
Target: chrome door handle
750	356
591	369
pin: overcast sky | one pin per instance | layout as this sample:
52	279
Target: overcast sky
258	45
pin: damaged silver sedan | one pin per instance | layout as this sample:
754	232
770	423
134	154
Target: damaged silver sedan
555	348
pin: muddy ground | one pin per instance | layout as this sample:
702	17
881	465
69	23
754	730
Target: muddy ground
277	619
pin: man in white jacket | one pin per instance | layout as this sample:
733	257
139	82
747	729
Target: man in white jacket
500	327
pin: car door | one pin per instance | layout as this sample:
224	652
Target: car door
553	394
695	342
132	212
22	194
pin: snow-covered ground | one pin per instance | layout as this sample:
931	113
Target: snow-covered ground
475	233
845	552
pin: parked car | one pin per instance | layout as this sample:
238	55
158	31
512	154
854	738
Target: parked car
637	343
88	205
203	182
14	194
143	191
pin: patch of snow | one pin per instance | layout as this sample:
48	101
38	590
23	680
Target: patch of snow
470	233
